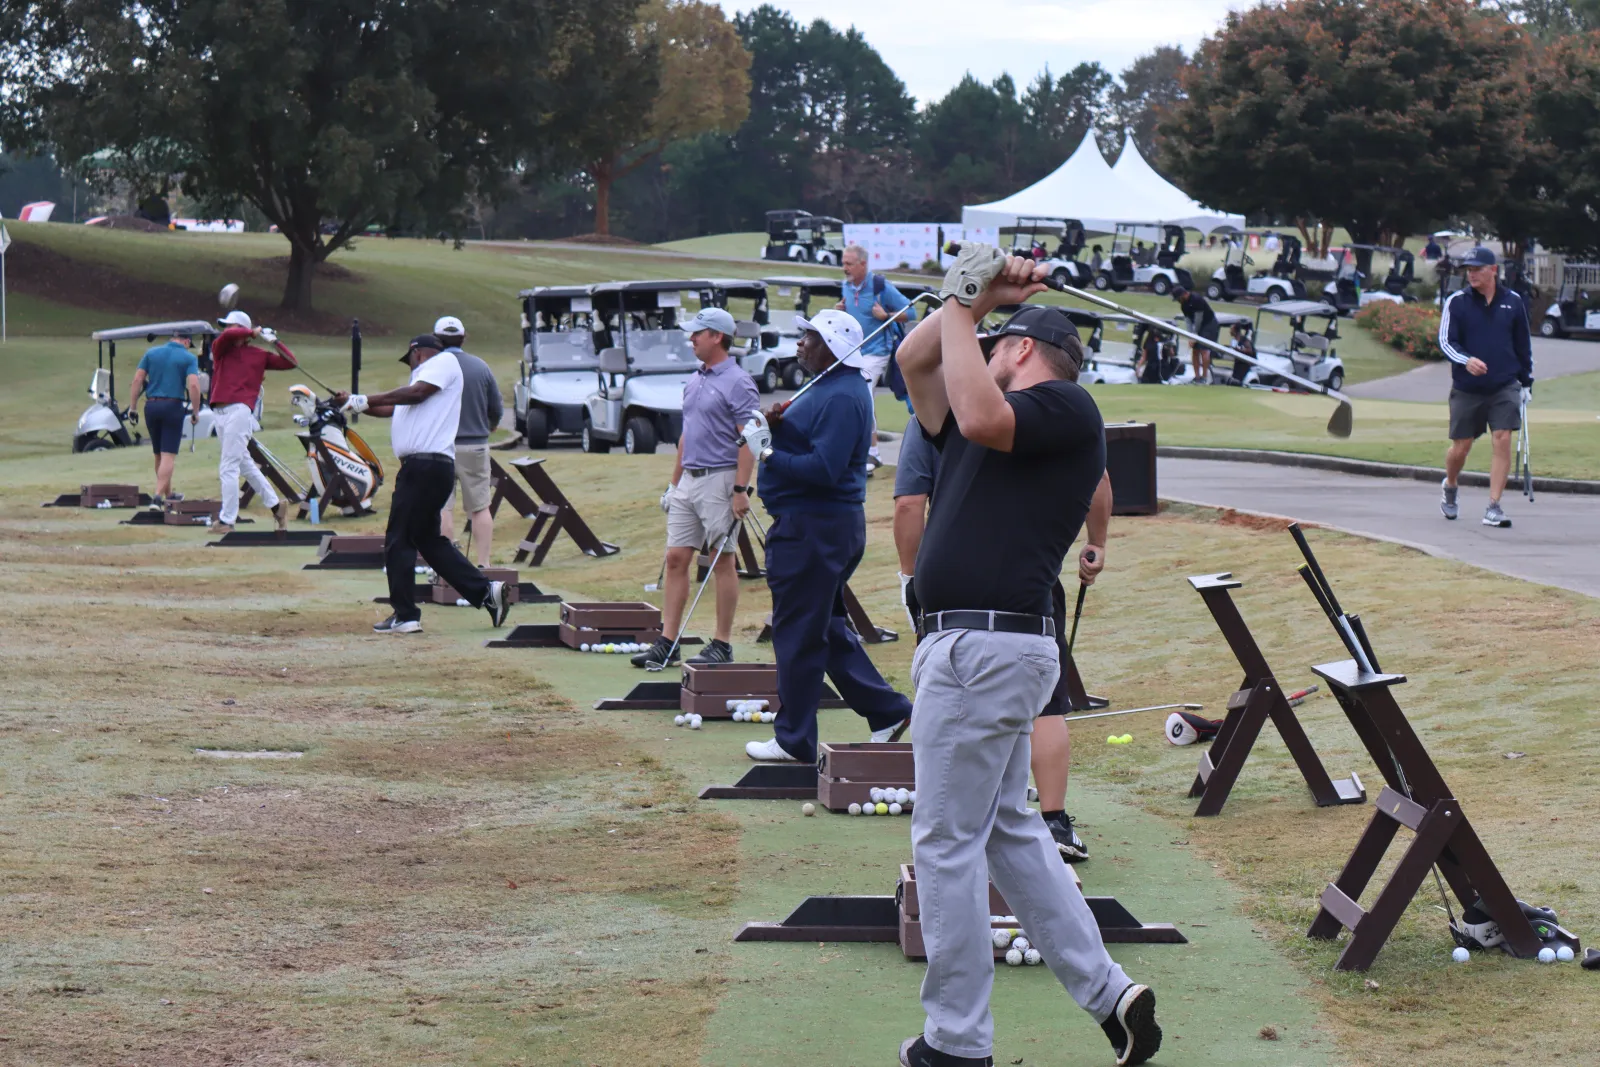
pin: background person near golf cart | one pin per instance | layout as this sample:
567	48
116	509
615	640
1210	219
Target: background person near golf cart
871	299
1203	321
814	484
239	368
426	414
167	374
709	493
1483	330
481	411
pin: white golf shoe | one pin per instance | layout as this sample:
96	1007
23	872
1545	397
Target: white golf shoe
768	752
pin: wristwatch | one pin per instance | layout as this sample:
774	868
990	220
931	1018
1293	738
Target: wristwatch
745	489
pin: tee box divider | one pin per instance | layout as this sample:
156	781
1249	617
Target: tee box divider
551	515
349	552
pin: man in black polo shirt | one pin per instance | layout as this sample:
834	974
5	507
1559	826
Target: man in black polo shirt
1023	448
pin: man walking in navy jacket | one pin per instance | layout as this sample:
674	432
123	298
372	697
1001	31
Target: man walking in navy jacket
814	484
1484	332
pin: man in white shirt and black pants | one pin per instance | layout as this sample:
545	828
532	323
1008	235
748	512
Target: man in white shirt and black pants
426	414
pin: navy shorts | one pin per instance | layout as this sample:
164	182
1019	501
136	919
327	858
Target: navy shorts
164	420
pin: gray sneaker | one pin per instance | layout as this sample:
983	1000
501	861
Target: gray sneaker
1447	501
1493	516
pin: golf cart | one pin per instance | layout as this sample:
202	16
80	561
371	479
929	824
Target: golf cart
1344	295
1233	283
556	375
644	363
1160	277
1308	354
1575	312
1031	237
801	237
103	425
756	340
800	290
1402	268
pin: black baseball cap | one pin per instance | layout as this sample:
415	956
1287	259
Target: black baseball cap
1038	321
422	340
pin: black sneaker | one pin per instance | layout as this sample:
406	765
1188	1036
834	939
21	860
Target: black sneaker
916	1052
392	625
715	652
496	604
1135	1035
656	655
1071	846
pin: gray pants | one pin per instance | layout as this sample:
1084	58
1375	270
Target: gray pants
977	696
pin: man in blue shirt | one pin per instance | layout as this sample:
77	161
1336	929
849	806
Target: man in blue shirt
814	485
166	375
871	299
1483	329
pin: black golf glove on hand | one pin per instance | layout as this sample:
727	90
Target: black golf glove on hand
973	270
133	416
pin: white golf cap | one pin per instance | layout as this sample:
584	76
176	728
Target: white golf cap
449	326
236	318
840	332
712	318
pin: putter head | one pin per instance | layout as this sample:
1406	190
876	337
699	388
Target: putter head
1343	420
651	587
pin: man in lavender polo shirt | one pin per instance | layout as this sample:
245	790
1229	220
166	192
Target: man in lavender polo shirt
710	488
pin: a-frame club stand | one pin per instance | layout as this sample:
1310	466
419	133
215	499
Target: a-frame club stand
1259	698
552	514
1415	797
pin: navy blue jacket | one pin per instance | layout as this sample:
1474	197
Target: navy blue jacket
1496	333
819	448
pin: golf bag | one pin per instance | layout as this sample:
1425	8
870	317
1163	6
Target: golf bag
345	473
1476	930
1187	728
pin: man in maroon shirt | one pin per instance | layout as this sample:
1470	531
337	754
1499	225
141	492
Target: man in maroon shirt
238	369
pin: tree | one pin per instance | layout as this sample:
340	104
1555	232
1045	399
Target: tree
1379	115
973	144
1060	110
327	117
1148	88
703	86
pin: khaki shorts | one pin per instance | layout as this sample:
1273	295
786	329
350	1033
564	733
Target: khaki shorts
472	471
701	510
873	368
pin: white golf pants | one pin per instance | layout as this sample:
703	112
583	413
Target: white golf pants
235	424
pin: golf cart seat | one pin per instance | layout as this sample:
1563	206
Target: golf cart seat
1315	342
100	385
613	361
746	331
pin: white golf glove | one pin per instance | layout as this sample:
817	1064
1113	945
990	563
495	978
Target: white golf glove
269	335
976	266
1527	394
908	599
666	499
757	435
356	404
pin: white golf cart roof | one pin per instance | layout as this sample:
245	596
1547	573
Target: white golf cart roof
193	328
806	281
1296	308
1228	318
567	291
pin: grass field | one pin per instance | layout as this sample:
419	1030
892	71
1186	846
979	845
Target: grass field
465	866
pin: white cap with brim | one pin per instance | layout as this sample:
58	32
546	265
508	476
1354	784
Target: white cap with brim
237	318
712	318
449	326
840	332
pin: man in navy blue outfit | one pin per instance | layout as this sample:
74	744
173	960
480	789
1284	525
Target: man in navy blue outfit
814	484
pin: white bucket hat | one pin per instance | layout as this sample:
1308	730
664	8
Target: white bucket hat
840	332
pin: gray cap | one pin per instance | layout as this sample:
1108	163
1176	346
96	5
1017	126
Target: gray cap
712	318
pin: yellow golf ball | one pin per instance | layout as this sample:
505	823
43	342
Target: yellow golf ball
1112	740
1125	739
882	808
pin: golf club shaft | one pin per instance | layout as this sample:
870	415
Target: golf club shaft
954	248
798	393
710	571
1083	590
1316	568
1131	711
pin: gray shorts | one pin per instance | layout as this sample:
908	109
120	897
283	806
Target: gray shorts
700	510
1472	413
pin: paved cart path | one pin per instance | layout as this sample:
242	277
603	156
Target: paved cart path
1552	541
1431	382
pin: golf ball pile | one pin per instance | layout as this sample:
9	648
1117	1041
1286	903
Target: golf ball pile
628	647
886	800
103	504
1125	739
751	711
1019	950
692	721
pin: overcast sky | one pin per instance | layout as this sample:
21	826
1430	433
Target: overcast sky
931	43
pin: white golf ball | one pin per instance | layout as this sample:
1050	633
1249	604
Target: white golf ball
1032	957
1022	944
678	720
869	809
760	705
1564	953
854	809
808	809
913	796
1547	955
1460	955
738	716
1002	939
733	705
875	793
895	809
903	795
1014	958
583	648
694	722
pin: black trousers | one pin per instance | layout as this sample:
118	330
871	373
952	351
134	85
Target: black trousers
420	490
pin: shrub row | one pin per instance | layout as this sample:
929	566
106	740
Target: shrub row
1411	328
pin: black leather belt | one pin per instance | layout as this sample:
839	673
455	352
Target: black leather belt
701	472
175	399
429	457
1005	622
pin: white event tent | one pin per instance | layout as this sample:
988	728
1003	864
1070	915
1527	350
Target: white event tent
1100	196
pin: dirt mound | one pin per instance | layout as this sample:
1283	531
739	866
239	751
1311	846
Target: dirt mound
129	222
599	239
45	273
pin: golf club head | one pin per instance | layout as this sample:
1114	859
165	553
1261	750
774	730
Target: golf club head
228	296
652	587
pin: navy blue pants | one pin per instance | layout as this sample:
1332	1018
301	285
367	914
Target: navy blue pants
163	417
810	557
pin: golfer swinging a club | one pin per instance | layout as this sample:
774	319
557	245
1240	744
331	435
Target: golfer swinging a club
1022	450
